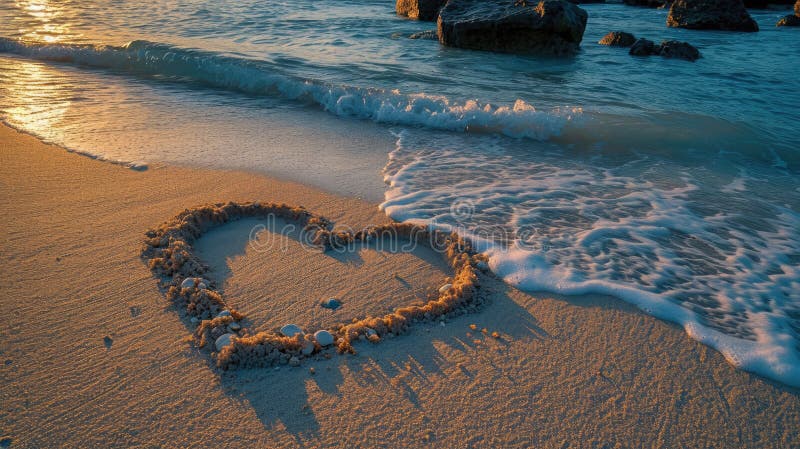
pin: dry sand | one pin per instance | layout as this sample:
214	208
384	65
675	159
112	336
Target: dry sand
568	372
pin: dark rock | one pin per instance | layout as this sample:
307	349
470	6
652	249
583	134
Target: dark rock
548	27
643	47
419	9
618	39
789	21
765	4
430	34
729	15
648	3
108	341
677	49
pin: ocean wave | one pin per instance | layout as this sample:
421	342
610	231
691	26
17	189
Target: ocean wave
254	77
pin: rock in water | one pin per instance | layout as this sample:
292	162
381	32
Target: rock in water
643	47
728	15
677	49
552	27
323	337
290	330
294	361
222	341
419	9
618	39
789	21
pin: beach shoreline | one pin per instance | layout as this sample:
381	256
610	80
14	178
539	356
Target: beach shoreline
586	371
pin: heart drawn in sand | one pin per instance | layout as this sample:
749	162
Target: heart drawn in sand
169	254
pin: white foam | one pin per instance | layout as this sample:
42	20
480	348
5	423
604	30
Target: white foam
722	263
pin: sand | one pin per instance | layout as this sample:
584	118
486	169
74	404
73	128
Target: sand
91	354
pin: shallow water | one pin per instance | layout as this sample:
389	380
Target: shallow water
673	185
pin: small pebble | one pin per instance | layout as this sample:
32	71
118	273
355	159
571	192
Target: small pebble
194	320
223	340
308	348
496	334
473	326
290	330
202	286
235	326
187	283
108	341
312	371
441	323
224	313
294	361
323	337
445	288
331	303
371	332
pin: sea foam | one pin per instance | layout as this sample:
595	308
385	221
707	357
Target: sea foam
723	263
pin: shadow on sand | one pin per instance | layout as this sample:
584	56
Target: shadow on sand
279	396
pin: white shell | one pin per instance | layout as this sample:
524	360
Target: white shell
324	338
290	330
222	341
187	283
445	287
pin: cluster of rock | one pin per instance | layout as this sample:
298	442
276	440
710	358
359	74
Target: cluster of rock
646	47
169	254
556	27
791	20
727	15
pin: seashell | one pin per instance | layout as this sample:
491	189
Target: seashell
222	341
187	283
324	338
445	288
290	330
